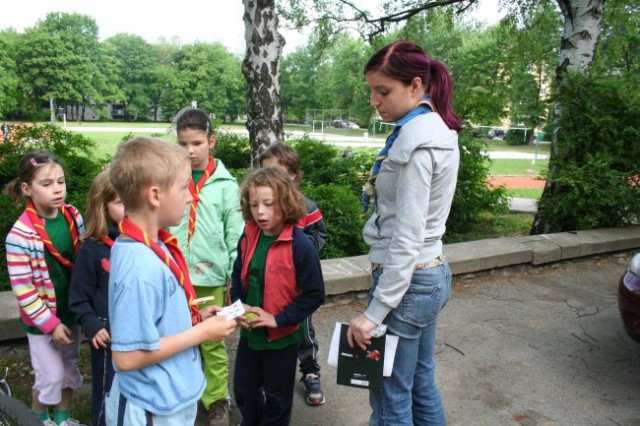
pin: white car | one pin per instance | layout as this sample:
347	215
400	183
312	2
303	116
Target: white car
345	124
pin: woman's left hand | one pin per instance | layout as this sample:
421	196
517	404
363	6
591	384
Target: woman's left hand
358	332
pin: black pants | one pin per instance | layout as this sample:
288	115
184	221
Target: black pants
263	384
308	350
101	378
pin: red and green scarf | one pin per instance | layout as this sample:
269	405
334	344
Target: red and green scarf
195	188
32	213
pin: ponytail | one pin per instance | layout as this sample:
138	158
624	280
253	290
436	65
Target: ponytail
403	61
14	191
441	94
27	168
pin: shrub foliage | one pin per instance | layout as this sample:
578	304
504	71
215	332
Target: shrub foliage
595	168
75	154
332	178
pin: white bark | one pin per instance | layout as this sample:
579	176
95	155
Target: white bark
580	35
261	69
582	26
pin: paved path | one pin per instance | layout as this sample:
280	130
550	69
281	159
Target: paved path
516	204
337	140
543	347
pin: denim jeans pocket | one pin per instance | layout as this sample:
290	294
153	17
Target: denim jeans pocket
428	293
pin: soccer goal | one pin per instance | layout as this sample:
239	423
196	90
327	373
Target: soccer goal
323	118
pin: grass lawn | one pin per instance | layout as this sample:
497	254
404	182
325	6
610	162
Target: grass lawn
524	193
116	124
517	167
491	225
498	145
107	142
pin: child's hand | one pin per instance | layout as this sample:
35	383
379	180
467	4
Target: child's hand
217	328
263	319
101	339
61	335
209	311
247	319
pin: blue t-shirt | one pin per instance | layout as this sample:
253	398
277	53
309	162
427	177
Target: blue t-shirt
146	302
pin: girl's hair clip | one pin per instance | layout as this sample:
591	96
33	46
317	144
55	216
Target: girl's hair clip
33	162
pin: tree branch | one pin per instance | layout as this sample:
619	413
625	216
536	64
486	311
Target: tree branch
378	25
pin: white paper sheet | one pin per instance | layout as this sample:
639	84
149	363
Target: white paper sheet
390	346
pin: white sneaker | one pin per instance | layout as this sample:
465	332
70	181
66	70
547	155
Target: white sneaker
49	422
71	422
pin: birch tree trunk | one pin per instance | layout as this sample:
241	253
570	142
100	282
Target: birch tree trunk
261	69
582	26
52	110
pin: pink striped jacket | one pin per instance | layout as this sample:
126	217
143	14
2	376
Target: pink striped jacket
29	275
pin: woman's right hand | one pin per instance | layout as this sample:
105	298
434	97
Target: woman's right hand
61	335
101	339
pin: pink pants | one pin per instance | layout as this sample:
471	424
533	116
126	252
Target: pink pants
56	367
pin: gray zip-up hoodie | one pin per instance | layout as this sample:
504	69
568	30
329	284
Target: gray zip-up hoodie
414	191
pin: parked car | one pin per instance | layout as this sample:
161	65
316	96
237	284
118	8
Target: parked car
629	298
345	124
495	133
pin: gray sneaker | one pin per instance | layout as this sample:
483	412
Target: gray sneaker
219	413
313	389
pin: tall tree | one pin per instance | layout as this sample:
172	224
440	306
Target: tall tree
212	76
261	69
79	36
581	31
137	59
619	49
482	73
8	70
45	65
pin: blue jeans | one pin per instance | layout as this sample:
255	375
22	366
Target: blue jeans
410	396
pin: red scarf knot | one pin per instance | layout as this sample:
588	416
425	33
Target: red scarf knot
175	261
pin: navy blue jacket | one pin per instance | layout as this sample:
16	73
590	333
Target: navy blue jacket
89	287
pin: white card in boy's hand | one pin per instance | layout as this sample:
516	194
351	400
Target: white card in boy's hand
232	311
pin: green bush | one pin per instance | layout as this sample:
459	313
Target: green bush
75	153
234	150
594	169
341	210
472	196
323	164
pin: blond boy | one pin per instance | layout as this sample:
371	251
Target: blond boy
156	327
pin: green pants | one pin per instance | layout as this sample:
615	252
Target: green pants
214	355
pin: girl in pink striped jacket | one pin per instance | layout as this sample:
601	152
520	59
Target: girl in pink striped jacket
41	249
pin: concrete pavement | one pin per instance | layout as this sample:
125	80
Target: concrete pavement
536	346
531	336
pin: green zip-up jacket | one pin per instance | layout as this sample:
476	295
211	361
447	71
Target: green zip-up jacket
212	251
